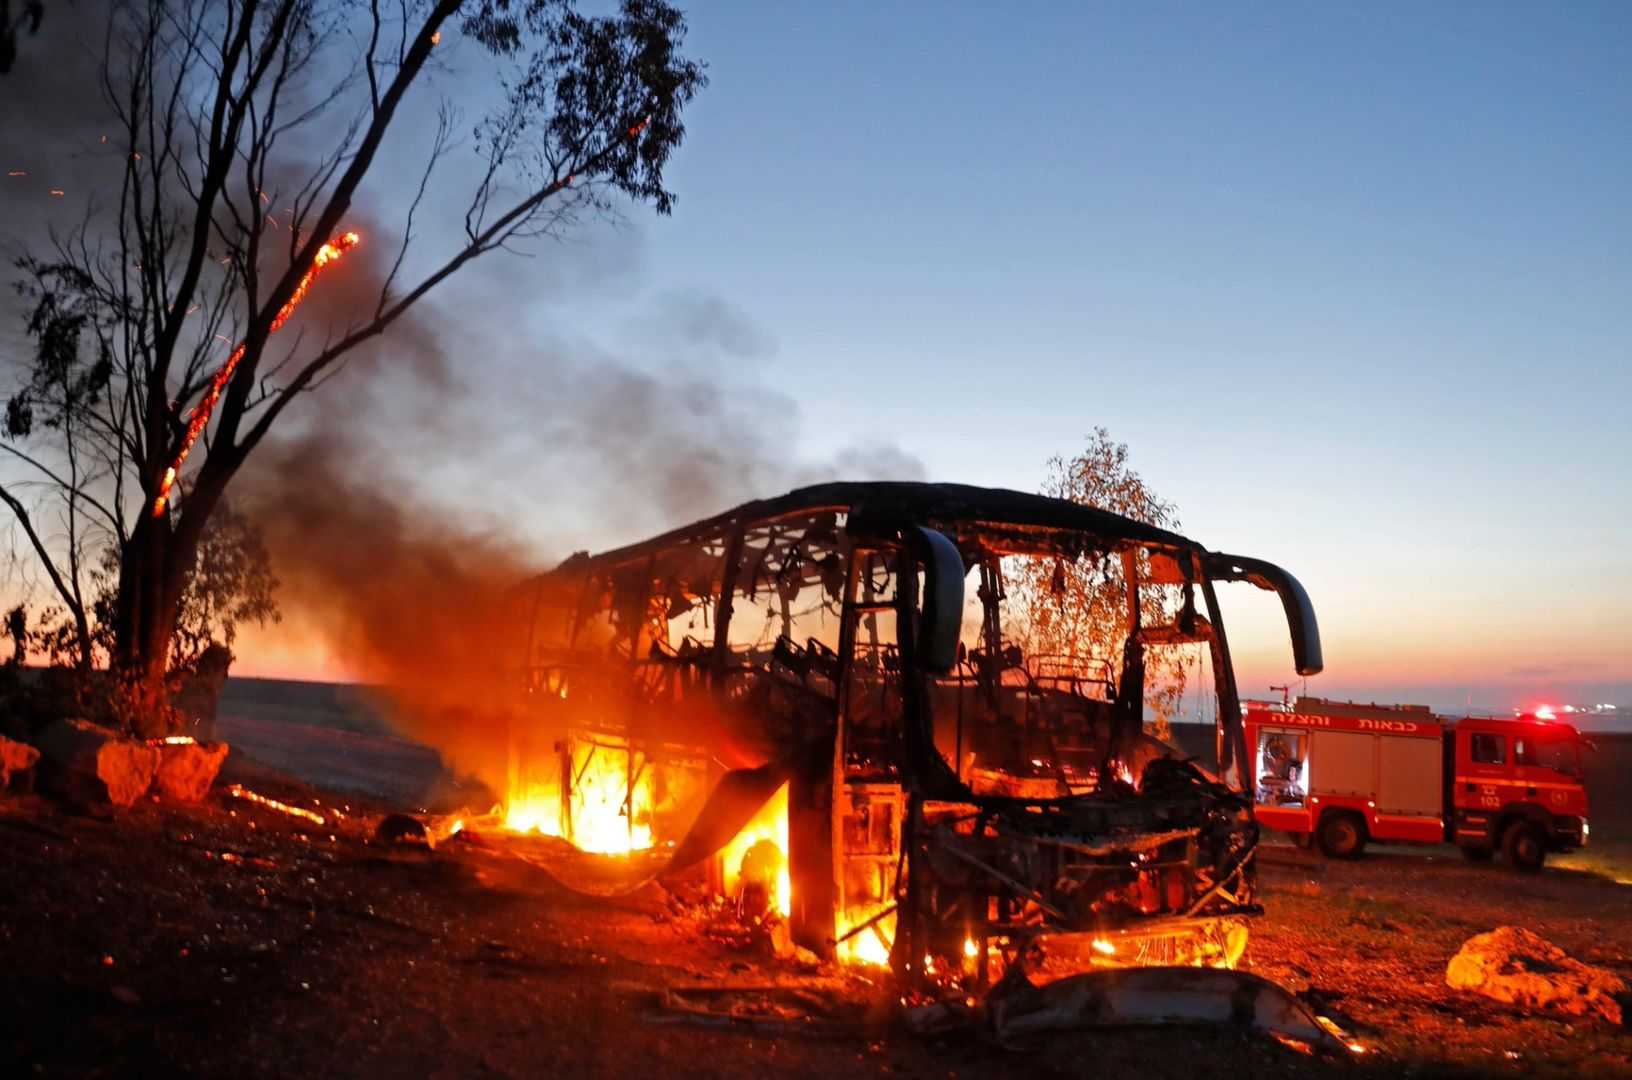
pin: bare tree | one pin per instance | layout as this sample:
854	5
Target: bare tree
155	372
1078	609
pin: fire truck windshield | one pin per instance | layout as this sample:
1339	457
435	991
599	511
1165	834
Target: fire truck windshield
1559	754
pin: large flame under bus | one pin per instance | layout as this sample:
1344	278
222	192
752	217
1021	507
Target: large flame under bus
839	696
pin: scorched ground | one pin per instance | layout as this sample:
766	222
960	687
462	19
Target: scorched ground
230	939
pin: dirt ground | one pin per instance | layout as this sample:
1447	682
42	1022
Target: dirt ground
227	939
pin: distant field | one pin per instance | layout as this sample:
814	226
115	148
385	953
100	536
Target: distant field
341	706
339	738
1609	794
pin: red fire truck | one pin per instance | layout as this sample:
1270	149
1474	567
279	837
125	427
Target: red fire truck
1342	775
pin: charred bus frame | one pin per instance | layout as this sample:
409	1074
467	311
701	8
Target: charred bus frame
947	798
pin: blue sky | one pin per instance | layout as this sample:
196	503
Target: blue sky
1279	212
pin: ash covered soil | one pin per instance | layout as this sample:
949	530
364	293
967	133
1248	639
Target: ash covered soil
230	939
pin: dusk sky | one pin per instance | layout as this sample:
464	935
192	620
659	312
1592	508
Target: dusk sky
1353	282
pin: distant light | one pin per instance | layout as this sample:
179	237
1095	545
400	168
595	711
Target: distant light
1545	712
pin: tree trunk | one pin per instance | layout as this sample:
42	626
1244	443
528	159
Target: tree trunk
153	568
144	619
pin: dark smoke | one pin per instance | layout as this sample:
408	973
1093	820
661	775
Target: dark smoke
396	516
406	593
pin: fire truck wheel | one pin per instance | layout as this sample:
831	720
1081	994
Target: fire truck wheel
1524	847
1341	835
1478	854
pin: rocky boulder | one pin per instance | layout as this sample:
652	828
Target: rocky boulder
79	760
186	770
16	764
1512	964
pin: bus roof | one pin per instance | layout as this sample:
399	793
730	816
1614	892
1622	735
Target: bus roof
916	501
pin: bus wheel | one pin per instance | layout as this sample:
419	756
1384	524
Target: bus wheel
1478	854
1524	847
1341	835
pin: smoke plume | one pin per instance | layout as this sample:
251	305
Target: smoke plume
419	493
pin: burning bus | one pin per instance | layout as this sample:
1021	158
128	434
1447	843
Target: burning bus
835	698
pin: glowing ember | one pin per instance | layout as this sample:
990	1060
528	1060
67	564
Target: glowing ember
770	825
970	949
201	412
1103	947
238	791
173	740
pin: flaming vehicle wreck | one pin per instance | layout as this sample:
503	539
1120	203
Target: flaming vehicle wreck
834	698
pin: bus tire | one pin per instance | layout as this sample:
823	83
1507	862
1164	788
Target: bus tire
1341	835
1524	846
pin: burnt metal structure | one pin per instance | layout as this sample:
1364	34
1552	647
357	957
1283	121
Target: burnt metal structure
953	800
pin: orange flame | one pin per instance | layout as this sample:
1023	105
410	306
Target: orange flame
770	824
871	946
201	412
612	800
606	812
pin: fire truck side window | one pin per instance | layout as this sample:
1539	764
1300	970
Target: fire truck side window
1490	749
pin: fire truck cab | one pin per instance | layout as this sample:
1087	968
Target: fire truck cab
1341	775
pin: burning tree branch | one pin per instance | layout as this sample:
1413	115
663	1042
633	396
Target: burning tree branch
201	412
